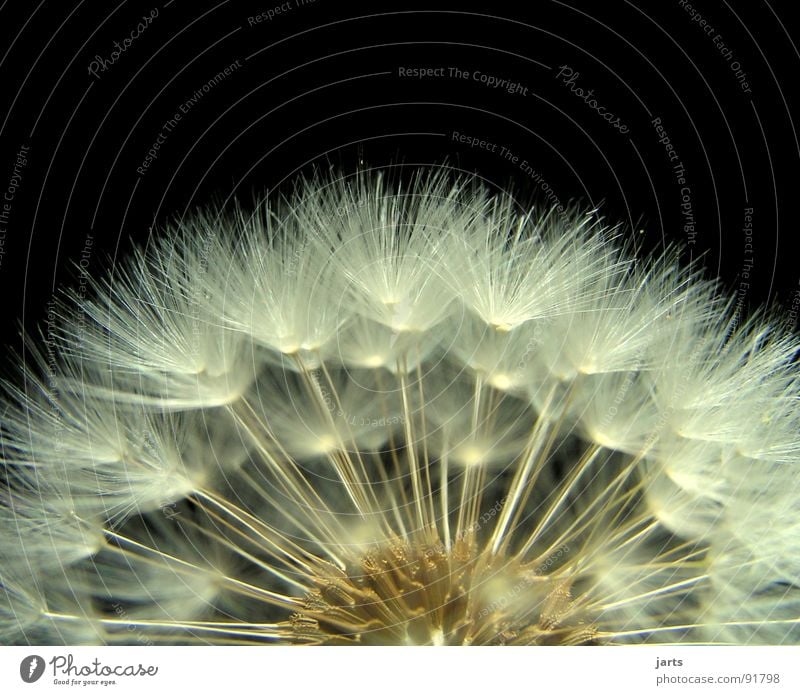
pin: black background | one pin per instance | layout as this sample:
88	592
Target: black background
319	86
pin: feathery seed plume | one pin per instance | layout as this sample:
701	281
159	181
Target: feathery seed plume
411	414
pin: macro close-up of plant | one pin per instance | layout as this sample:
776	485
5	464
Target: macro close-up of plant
401	411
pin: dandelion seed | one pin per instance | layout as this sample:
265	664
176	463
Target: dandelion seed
410	415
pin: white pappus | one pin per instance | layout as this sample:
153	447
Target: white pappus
380	412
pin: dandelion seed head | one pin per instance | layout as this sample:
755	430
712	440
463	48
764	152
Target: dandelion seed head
401	412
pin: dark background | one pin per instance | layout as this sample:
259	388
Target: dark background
318	86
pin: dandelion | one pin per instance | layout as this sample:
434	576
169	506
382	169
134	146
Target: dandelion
401	414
